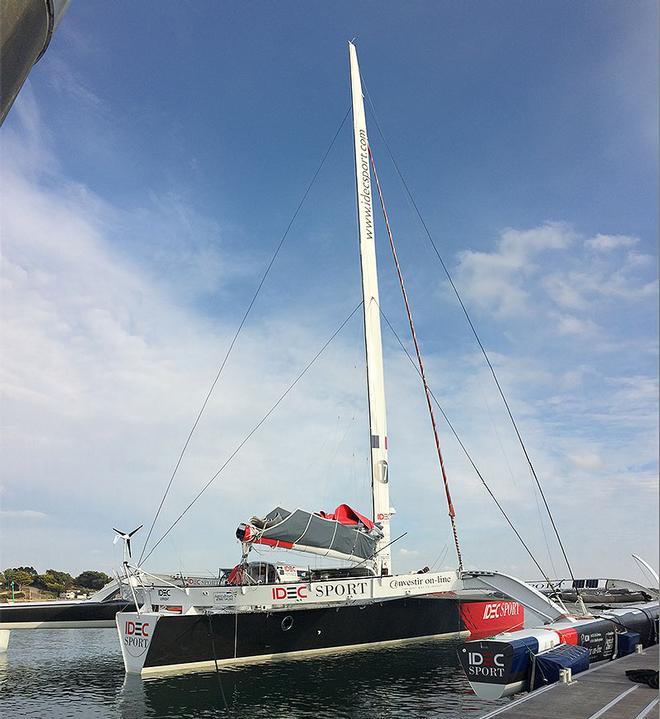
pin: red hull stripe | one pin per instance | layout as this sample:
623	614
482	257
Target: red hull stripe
485	619
568	635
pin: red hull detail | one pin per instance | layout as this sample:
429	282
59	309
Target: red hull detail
485	619
568	635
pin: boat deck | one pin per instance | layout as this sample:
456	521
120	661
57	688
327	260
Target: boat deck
604	691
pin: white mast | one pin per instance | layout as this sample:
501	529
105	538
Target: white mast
373	345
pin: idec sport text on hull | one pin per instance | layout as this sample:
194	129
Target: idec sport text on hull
341	590
299	592
136	634
319	591
497	610
486	664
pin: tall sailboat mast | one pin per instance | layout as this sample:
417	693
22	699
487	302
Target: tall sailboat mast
372	331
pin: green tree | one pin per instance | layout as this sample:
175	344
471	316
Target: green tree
92	580
20	576
54	581
30	570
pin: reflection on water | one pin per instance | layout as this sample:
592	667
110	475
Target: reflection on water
68	673
79	673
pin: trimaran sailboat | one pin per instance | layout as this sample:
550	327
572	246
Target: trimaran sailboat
259	611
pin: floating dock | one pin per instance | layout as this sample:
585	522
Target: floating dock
604	691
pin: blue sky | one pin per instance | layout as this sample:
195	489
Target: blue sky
150	166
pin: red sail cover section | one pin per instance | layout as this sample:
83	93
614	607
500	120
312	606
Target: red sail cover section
247	537
485	619
347	515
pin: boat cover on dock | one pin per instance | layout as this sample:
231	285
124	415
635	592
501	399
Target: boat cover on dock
565	656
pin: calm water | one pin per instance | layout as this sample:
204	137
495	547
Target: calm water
79	673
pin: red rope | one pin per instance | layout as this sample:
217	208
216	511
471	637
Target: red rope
427	392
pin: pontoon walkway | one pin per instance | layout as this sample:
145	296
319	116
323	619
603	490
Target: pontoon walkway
604	692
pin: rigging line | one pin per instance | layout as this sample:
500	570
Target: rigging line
215	660
496	432
545	535
441	557
513	479
474	332
369	559
238	330
445	481
469	456
256	427
443	553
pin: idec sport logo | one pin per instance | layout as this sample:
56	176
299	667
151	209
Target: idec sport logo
485	619
138	629
497	610
137	636
291	593
486	664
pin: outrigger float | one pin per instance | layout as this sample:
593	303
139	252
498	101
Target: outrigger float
528	659
97	612
94	613
598	591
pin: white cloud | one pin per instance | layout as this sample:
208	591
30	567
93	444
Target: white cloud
104	364
587	460
408	552
573	378
543	275
607	243
496	280
22	514
103	371
571	325
65	80
638	259
638	390
563	292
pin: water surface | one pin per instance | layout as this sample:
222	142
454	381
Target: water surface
79	673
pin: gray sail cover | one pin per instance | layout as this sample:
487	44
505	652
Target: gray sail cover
303	530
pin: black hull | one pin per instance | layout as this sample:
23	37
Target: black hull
204	639
71	613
